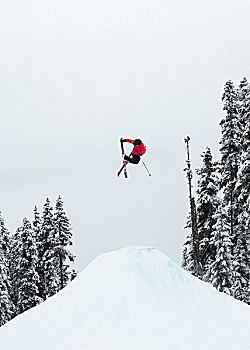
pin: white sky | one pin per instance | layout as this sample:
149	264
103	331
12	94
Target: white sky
75	76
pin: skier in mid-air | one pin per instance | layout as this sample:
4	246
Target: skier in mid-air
135	156
138	150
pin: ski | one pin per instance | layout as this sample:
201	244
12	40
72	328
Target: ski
119	172
125	170
124	167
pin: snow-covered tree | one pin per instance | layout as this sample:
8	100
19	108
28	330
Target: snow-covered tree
28	279
219	273
49	263
188	251
188	255
53	235
4	238
37	230
242	188
243	102
64	240
6	305
241	249
247	296
207	205
191	253
14	261
36	225
230	154
240	286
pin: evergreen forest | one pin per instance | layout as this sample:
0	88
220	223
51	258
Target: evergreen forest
217	247
35	262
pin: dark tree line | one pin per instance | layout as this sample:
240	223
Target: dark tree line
222	203
35	260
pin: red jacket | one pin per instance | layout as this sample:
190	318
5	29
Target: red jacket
138	150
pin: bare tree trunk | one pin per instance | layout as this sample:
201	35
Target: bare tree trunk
195	234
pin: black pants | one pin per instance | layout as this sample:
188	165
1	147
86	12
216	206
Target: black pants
134	158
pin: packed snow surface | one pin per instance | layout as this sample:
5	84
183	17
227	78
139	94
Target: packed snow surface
134	298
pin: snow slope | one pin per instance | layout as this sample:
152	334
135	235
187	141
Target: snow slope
134	298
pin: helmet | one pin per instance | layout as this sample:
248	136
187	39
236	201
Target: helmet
137	142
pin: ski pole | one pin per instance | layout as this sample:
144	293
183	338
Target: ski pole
146	168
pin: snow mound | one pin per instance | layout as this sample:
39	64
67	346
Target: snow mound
134	298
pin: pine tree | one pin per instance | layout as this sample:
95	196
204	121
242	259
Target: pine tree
28	279
36	225
242	188
219	273
14	262
247	296
243	102
5	238
241	252
49	264
240	287
37	230
207	205
64	239
5	244
230	155
188	255
6	305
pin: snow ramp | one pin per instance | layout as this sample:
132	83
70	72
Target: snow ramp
132	299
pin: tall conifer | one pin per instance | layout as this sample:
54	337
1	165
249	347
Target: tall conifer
27	284
37	230
241	249
230	155
6	304
14	262
207	205
49	265
188	254
64	240
219	273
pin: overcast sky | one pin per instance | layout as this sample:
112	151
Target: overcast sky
77	75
